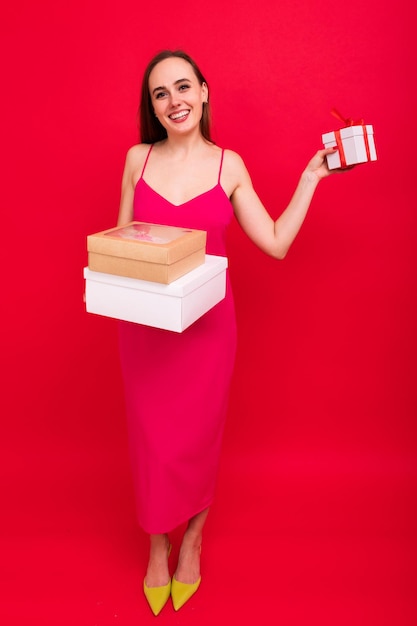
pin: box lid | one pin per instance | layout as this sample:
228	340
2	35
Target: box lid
155	243
348	131
353	131
181	287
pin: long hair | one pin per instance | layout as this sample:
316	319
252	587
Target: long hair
150	128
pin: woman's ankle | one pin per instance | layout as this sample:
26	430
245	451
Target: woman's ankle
159	544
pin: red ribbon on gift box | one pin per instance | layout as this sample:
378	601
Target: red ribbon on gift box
348	121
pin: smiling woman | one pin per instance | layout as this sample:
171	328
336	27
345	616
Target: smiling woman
177	386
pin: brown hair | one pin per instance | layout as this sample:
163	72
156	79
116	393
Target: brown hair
150	128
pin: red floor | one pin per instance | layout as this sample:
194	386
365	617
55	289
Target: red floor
297	539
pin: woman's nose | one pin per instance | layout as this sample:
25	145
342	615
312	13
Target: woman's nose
175	99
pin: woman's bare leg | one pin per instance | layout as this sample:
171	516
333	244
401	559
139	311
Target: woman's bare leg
157	574
188	568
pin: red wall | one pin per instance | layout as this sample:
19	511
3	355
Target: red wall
326	363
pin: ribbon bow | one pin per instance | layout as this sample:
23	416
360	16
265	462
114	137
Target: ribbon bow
348	121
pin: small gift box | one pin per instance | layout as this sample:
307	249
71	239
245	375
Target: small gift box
171	307
144	251
355	144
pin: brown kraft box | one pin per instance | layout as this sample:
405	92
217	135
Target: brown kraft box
152	252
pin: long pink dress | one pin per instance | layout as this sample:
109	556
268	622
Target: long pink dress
177	384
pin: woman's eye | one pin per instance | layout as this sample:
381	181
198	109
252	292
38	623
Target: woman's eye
160	95
182	87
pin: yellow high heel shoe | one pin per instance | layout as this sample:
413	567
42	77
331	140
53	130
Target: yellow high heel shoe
157	597
181	592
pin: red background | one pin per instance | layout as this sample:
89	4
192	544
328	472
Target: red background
318	482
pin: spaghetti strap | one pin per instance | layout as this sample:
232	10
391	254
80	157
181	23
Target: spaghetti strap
146	160
221	165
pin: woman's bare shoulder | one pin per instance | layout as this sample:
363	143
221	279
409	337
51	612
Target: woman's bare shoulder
234	168
234	163
137	153
232	156
135	161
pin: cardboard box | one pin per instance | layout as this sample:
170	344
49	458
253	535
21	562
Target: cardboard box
356	145
147	251
172	307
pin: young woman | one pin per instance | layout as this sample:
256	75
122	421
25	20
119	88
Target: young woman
177	384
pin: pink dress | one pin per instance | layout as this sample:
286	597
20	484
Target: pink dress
177	384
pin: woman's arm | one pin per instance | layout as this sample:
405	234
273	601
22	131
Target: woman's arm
274	238
135	159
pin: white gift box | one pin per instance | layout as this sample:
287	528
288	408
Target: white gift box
356	145
172	307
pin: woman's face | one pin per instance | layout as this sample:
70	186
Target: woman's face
177	96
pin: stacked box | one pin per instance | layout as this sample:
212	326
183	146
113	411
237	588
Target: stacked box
144	251
171	307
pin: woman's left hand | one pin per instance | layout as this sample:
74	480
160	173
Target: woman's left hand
318	164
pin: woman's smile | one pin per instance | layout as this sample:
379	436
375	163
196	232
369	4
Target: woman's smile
179	116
